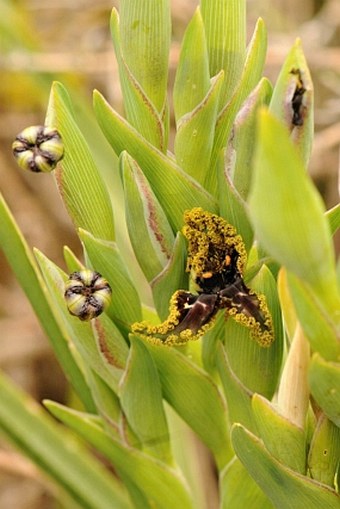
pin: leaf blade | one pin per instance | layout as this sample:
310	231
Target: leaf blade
24	266
175	190
161	486
284	487
79	182
67	463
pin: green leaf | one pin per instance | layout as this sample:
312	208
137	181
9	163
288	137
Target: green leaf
316	321
141	399
172	277
333	216
78	178
145	29
24	266
195	134
239	490
324	453
72	262
175	190
292	100
283	440
237	395
225	27
192	80
108	406
55	451
232	206
243	138
139	108
286	302
195	397
288	213
150	233
324	380
111	346
251	74
125	307
284	487
256	367
210	345
161	486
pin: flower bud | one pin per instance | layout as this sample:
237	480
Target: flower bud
87	294
38	148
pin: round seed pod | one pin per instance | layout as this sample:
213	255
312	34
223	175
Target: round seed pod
87	294
38	148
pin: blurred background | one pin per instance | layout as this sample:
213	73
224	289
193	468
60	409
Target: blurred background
70	41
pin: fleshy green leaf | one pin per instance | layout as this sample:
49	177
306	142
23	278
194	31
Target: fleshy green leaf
242	141
324	379
25	268
150	233
285	441
111	346
108	405
286	302
192	80
284	487
195	397
324	454
161	486
125	307
145	40
251	74
56	452
333	216
225	27
175	190
288	212
292	100
237	395
72	262
317	323
79	181
141	400
139	108
211	343
172	278
195	134
232	206
239	490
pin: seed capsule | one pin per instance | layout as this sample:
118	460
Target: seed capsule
38	148
87	294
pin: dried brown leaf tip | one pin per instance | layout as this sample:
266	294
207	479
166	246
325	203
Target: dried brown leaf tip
298	106
216	261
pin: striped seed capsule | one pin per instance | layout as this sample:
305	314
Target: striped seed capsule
87	294
38	148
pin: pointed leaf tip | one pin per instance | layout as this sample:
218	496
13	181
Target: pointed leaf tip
287	210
